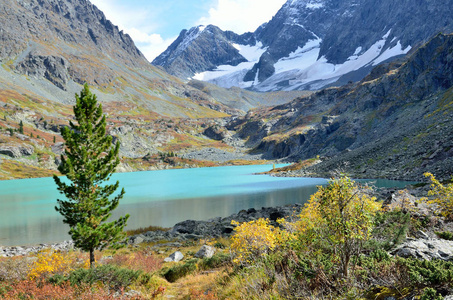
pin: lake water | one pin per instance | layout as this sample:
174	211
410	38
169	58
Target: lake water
160	198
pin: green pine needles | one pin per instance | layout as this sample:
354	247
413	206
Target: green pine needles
89	160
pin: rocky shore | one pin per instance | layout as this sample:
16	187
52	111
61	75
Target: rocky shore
25	250
422	244
183	231
216	227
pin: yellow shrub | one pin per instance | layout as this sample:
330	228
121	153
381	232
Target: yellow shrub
443	196
252	240
339	215
49	263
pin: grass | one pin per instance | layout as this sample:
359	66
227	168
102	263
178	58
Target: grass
118	271
10	169
145	229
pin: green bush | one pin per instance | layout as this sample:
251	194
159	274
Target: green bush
217	260
430	294
174	273
446	235
112	276
390	229
428	273
219	245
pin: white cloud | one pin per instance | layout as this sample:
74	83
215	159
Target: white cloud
153	45
241	15
142	20
136	21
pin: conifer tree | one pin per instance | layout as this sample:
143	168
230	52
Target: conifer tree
21	127
89	160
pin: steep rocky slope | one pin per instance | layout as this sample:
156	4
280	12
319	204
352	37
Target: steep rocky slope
308	44
59	45
396	126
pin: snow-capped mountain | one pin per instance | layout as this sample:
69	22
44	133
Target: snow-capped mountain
308	44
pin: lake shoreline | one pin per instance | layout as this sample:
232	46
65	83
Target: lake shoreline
197	229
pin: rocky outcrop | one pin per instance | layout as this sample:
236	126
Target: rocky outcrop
24	250
53	68
216	133
17	151
191	229
426	249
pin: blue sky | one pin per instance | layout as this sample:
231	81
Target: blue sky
154	24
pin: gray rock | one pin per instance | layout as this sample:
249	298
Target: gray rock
58	148
205	252
53	68
17	151
175	257
136	240
426	249
25	250
421	235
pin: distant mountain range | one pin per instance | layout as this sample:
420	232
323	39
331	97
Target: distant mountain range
395	123
308	44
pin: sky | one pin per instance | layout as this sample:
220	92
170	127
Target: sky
155	24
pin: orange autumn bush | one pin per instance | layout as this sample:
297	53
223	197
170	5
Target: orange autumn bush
28	289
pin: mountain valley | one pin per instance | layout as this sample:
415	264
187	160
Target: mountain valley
393	123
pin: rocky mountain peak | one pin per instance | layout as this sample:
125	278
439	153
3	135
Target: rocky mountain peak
310	44
202	48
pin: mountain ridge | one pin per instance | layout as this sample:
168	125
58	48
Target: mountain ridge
394	126
311	44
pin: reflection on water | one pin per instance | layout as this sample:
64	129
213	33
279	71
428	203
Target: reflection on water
167	213
160	198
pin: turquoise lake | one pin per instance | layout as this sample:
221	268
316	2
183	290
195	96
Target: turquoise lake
160	198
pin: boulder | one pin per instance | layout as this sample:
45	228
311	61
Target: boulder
215	132
17	151
175	257
136	240
426	249
58	148
205	252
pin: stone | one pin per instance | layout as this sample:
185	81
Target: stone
205	252
426	249
136	240
175	257
17	151
58	148
421	234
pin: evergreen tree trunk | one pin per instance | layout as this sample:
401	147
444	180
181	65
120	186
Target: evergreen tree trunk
92	259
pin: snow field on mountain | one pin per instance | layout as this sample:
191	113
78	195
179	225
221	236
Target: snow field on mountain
302	68
227	75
